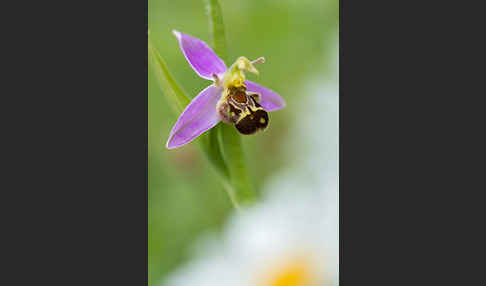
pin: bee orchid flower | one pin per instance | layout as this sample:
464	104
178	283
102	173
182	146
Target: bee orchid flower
230	98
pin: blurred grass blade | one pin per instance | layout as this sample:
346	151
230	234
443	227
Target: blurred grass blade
229	139
174	93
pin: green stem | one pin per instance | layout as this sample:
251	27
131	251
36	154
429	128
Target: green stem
229	139
216	29
233	153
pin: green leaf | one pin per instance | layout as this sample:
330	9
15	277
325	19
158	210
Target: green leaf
174	93
178	99
210	145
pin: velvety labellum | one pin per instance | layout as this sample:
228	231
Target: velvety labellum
242	109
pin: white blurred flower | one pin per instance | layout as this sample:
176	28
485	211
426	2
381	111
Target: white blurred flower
286	240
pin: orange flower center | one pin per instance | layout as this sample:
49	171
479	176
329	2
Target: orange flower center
296	273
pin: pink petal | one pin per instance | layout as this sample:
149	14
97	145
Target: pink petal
199	116
200	56
270	100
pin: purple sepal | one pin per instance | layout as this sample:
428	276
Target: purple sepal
199	116
200	56
270	100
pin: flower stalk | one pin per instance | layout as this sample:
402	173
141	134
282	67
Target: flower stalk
229	139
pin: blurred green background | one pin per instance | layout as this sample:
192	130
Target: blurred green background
185	198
